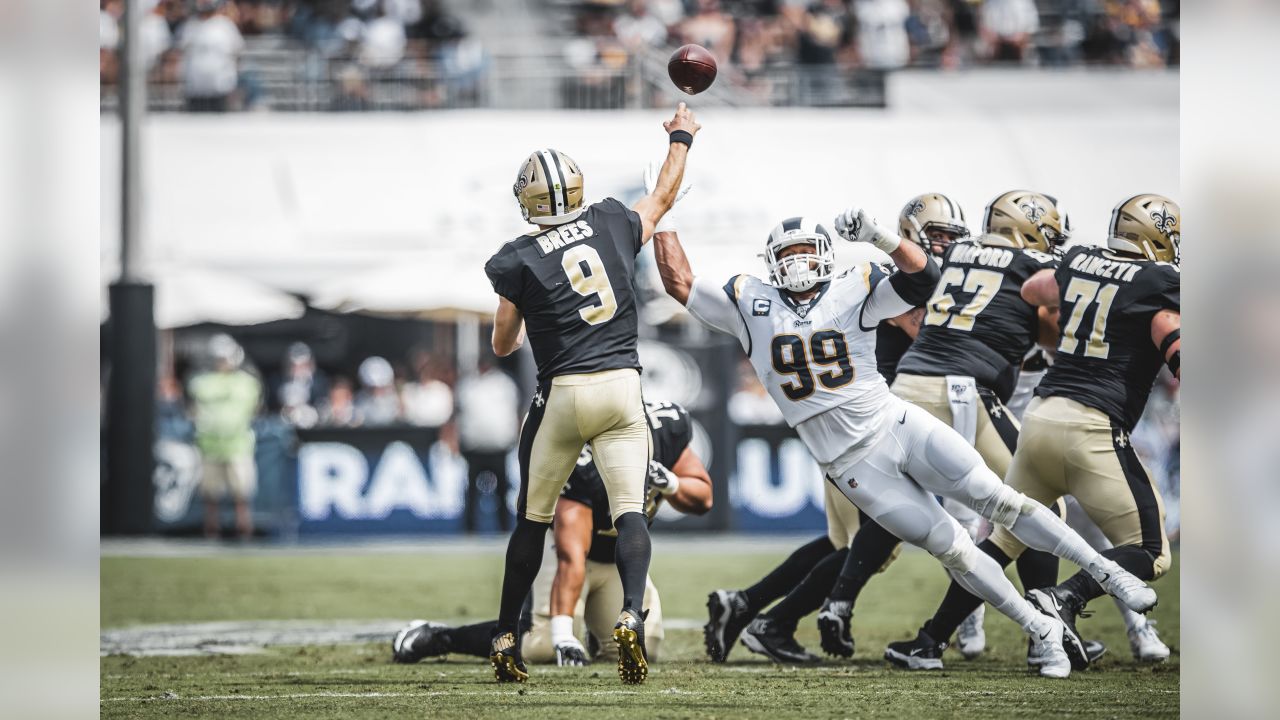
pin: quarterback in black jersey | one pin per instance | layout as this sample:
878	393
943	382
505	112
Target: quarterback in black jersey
579	582
570	283
1119	313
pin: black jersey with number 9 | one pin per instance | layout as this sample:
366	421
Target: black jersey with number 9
572	284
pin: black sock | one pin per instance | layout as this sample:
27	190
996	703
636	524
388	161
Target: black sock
524	558
960	603
871	548
809	594
632	555
1130	557
1037	569
786	576
470	639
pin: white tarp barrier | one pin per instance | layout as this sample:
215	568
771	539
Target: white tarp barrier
311	203
188	296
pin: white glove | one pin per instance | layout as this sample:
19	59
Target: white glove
569	650
855	225
663	480
667	223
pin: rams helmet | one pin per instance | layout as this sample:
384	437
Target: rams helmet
1147	225
931	211
1029	220
549	188
799	272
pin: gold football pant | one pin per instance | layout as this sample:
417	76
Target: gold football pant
604	409
996	433
1068	448
597	609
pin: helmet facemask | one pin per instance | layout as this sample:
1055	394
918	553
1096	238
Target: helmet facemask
800	271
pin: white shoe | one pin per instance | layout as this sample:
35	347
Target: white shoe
971	638
1046	651
1135	594
1145	643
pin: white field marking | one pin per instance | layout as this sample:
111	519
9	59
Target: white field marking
373	695
251	636
862	692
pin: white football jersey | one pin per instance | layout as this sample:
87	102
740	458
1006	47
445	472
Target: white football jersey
817	359
813	356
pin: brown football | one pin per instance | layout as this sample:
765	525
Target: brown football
692	68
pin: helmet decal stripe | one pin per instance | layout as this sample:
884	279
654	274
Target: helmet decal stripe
564	185
550	180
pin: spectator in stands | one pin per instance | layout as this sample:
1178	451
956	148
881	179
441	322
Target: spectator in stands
383	40
157	38
224	402
488	427
378	404
108	40
340	410
711	28
883	43
823	28
172	422
638	28
929	31
462	61
211	46
1008	27
259	17
428	401
301	387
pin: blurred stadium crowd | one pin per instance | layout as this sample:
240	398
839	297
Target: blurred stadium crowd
218	55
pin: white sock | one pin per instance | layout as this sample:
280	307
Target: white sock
1132	620
1042	530
988	581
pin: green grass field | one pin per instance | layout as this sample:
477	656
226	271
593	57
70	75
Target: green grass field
345	681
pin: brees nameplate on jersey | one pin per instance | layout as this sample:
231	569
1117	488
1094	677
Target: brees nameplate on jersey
559	237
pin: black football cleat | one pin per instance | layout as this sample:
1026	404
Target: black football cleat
763	636
833	627
1094	650
421	639
922	653
508	666
628	634
1050	601
727	616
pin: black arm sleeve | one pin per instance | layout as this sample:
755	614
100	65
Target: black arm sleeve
916	288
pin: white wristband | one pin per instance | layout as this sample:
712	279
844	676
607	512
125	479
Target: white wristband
562	629
886	241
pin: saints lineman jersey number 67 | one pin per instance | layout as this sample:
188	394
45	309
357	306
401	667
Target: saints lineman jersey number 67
588	282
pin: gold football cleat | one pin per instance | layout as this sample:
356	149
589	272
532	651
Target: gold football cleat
507	665
633	668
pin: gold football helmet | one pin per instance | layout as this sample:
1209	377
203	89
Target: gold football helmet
931	211
1030	220
1147	225
549	188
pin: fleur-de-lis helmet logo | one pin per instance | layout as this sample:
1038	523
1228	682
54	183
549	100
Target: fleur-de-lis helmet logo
1164	221
915	208
1033	210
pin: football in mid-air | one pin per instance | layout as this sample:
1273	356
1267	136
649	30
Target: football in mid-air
692	68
